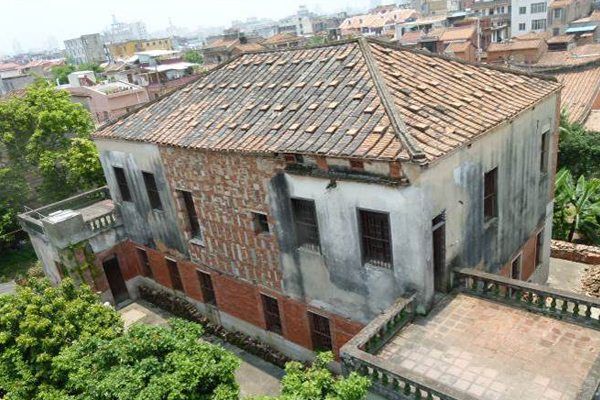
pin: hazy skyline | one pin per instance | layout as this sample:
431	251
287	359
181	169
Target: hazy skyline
34	23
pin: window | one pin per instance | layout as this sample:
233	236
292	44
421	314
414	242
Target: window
522	26
208	292
375	232
544	152
489	195
272	318
147	270
538	7
539	245
522	10
122	183
260	222
305	220
515	268
557	13
152	190
555	31
357	165
174	273
538	24
320	333
190	211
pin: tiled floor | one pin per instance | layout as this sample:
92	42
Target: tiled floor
494	351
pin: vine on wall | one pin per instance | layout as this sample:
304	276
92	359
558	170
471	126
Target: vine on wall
75	265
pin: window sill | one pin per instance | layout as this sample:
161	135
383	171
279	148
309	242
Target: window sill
489	223
309	251
197	242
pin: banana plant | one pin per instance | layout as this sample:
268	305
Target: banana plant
577	207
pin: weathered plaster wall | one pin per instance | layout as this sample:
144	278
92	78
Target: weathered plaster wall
154	228
47	254
455	185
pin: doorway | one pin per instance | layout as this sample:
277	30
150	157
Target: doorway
115	280
438	228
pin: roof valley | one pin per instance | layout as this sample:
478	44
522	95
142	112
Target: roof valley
400	129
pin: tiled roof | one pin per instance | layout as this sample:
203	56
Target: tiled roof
9	65
515	45
561	3
561	39
460	33
283	37
533	35
412	37
458	47
378	20
593	17
581	87
576	56
358	98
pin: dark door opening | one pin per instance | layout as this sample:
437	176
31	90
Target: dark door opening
440	279
115	280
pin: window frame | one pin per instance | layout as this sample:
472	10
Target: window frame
539	244
189	208
538	7
535	22
272	318
258	224
523	10
174	274
366	255
317	337
145	262
209	296
122	185
544	150
519	260
524	26
313	244
153	193
492	196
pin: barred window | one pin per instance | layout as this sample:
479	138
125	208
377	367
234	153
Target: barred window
320	333
305	220
376	243
152	190
122	183
489	195
538	7
272	317
206	285
174	273
538	24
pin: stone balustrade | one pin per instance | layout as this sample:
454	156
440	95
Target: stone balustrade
555	303
102	222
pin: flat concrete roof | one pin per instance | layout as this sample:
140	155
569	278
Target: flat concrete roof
493	351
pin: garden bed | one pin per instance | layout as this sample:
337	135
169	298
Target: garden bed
188	311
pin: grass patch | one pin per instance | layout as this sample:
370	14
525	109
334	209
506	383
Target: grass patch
16	262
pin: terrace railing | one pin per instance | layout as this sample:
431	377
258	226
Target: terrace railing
389	379
555	303
72	203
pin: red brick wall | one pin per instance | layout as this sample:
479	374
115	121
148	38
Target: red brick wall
527	252
226	190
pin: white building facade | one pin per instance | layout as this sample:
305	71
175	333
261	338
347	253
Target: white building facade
529	15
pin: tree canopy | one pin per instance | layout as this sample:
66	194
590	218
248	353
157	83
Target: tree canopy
193	56
149	362
317	382
579	149
37	323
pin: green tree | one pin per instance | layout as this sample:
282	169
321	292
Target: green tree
576	208
13	195
37	323
316	383
193	56
579	149
61	73
45	131
149	362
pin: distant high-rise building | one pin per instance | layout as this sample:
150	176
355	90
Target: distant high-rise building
122	32
86	49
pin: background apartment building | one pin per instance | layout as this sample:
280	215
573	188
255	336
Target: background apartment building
86	49
529	15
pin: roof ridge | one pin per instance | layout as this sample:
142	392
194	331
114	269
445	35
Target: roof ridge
398	46
402	133
557	69
305	47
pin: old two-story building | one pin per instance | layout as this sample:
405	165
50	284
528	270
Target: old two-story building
294	195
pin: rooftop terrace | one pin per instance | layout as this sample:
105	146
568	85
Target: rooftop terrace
492	338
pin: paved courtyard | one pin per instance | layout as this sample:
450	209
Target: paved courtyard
493	351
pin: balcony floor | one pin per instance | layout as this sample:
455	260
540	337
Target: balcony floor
96	210
493	351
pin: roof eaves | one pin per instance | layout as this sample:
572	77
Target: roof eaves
400	129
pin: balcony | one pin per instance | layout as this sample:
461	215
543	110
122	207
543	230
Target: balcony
73	220
491	338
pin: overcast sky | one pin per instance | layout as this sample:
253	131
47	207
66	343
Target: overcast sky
33	23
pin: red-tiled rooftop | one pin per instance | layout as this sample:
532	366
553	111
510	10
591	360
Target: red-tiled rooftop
329	100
